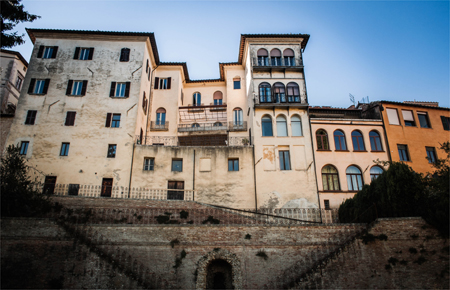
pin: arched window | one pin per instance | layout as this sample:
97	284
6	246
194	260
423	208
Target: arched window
358	141
238	117
339	140
265	95
296	126
278	93
197	99
266	124
275	57
161	116
330	178
281	126
322	140
288	55
125	54
218	96
375	171
375	141
354	178
263	57
195	125
293	93
218	124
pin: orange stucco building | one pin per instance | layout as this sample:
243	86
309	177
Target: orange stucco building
414	131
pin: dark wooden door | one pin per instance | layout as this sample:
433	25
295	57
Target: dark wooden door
107	187
49	184
175	194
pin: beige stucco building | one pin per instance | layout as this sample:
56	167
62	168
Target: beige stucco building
110	119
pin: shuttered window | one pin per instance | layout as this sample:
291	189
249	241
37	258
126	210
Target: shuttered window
393	116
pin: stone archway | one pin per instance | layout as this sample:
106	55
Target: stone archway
216	267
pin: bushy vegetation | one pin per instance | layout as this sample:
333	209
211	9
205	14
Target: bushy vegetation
401	192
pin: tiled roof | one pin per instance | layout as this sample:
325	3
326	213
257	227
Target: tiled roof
16	53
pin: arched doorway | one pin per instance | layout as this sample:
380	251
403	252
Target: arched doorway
219	275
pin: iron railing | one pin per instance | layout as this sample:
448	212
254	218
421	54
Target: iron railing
198	127
159	126
174	140
269	62
280	99
234	126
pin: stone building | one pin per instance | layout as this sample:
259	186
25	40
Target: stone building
101	115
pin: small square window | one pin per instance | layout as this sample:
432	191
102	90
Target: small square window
111	150
31	117
327	204
423	120
177	165
233	164
64	149
403	152
24	147
70	118
73	189
431	154
237	84
149	164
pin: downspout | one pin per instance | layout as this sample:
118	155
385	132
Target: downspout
254	178
314	161
149	98
193	180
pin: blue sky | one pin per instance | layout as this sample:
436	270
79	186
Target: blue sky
387	50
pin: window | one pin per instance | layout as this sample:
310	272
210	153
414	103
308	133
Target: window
144	103
358	141
279	93
281	126
64	149
288	55
24	147
160	116
70	118
233	164
111	151
296	126
375	171
112	120
322	140
47	51
218	124
176	190
275	57
83	53
393	116
19	82
149	164
354	178
431	154
73	189
263	57
266	124
339	140
38	87
31	117
120	90
326	202
408	118
445	122
162	83
265	95
195	125
49	184
330	178
293	93
423	120
403	152
76	88
238	117
284	160
125	55
177	165
375	141
237	83
218	96
197	99
107	184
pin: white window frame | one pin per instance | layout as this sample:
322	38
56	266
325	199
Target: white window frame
120	90
149	164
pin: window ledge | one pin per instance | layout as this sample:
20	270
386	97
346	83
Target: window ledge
426	128
324	150
37	94
153	129
119	97
75	95
342	150
377	151
359	150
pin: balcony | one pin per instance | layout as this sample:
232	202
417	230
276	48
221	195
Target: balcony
281	100
281	64
210	113
199	140
159	126
202	127
237	126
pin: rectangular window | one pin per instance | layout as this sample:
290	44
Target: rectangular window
70	118
19	82
403	152
149	164
24	147
175	190
162	83
423	120
326	203
112	120
64	149
47	51
73	189
233	164
31	117
76	88
111	150
408	117
446	122
177	165
38	87
120	90
284	160
393	116
237	83
431	154
83	53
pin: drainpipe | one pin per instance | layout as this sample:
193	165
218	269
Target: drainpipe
254	179
131	170
149	98
193	179
314	161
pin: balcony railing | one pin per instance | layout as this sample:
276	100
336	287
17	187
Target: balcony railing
202	127
222	140
281	63
237	126
159	126
281	99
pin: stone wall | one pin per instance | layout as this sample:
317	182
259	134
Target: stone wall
5	124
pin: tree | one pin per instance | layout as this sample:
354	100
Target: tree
20	197
11	14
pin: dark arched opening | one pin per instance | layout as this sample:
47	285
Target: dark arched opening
219	275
